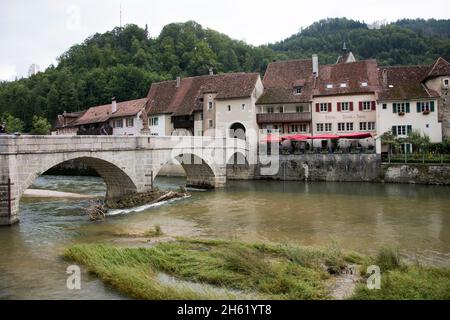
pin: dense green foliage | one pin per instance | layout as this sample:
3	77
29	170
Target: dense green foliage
125	61
390	44
430	27
12	123
41	126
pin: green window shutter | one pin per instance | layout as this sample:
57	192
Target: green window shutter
394	130
432	106
419	109
408	110
409	128
408	148
394	107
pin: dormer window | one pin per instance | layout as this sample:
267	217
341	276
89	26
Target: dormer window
446	82
343	85
329	86
297	90
364	84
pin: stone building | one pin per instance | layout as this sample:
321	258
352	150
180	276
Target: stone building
212	105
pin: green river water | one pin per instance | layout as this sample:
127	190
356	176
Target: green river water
359	216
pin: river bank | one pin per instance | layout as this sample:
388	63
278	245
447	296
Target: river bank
219	269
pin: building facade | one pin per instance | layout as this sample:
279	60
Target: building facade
205	106
414	98
116	118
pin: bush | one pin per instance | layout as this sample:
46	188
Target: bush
13	124
388	259
41	126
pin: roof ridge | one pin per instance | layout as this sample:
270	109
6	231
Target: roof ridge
436	63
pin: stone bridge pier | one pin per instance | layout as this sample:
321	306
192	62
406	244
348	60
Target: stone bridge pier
126	164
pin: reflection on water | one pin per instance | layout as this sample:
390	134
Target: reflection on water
359	216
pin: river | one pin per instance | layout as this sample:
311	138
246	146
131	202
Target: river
359	216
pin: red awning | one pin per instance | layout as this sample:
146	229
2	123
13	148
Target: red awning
296	137
326	136
356	135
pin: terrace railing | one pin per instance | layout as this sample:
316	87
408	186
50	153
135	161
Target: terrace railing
415	158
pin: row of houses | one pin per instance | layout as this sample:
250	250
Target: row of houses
296	96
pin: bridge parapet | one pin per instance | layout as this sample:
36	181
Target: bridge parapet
51	144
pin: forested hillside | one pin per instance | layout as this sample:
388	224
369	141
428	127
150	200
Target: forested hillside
390	44
125	61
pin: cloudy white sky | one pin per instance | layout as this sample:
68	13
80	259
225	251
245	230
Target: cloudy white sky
38	31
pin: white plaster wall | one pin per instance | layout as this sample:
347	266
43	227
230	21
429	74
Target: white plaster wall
336	117
135	130
427	124
225	119
198	124
163	127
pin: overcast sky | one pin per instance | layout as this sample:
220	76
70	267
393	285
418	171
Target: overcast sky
38	31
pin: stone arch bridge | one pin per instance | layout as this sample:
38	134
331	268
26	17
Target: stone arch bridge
126	164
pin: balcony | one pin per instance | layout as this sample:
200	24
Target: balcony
283	117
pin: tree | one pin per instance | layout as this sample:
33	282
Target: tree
388	138
41	126
421	142
13	124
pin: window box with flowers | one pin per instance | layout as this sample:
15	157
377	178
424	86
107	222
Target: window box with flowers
426	112
401	113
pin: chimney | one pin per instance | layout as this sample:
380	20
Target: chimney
113	105
211	71
385	79
315	65
178	82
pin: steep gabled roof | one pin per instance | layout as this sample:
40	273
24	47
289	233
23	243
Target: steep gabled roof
282	76
103	113
440	68
402	83
167	98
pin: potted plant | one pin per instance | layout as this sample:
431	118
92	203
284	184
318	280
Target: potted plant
426	112
401	113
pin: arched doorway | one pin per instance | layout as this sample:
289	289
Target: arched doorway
237	130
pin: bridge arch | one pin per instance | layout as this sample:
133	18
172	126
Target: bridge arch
24	169
118	182
200	171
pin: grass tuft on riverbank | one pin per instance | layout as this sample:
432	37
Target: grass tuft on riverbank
256	270
413	282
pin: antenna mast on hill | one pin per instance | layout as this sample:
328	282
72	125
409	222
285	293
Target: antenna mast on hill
120	16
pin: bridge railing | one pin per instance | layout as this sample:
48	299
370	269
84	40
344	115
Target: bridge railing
46	144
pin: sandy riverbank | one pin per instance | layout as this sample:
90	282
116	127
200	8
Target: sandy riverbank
36	193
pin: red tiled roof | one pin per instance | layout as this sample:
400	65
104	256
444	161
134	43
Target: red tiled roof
400	83
351	74
280	79
440	68
103	113
282	76
129	108
166	98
